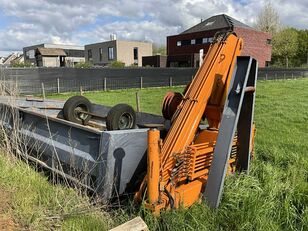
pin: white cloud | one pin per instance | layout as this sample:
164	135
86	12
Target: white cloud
79	21
131	30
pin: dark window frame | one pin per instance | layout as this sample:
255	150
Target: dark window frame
100	51
90	55
136	53
110	53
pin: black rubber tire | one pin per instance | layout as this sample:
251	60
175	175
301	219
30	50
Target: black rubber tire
73	103
121	117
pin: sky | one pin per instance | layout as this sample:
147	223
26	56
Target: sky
29	22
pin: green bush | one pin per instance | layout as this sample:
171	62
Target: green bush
21	64
83	65
116	64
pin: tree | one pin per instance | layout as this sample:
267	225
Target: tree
159	49
268	20
285	45
303	47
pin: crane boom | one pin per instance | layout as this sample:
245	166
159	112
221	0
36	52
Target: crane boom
178	166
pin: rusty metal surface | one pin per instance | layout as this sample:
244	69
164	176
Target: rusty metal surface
170	103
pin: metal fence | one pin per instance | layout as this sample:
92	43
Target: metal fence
281	73
58	80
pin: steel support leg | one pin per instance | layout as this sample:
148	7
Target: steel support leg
245	68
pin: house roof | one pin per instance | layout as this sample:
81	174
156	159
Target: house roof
9	58
216	22
18	58
51	51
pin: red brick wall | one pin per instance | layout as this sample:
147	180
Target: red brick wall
255	44
173	49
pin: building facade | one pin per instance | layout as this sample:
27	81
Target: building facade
154	61
128	52
73	54
183	49
50	57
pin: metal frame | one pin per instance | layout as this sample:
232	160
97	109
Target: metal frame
239	106
108	160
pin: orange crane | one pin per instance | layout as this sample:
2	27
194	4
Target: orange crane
192	160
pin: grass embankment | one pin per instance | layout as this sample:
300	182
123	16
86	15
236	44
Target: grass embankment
273	197
35	204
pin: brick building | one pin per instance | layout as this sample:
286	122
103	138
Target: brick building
183	49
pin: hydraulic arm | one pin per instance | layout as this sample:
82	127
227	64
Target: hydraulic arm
178	166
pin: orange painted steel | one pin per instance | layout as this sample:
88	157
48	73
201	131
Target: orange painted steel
153	165
186	153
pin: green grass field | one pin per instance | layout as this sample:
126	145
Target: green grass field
273	197
150	98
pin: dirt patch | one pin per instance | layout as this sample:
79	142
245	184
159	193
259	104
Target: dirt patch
6	221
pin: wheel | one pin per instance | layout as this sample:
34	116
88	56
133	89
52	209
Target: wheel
121	117
72	108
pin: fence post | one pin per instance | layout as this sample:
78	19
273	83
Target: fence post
138	101
80	89
275	76
141	82
58	85
284	76
105	84
170	81
43	91
265	76
16	86
292	76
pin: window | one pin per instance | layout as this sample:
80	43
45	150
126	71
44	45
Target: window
204	40
267	63
268	41
199	41
186	42
30	54
178	43
100	54
110	53
136	53
210	40
90	54
193	41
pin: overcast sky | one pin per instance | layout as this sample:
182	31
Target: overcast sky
29	22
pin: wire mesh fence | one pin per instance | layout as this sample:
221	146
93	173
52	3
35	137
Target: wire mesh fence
60	80
61	85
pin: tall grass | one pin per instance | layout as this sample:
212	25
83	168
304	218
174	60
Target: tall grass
35	203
